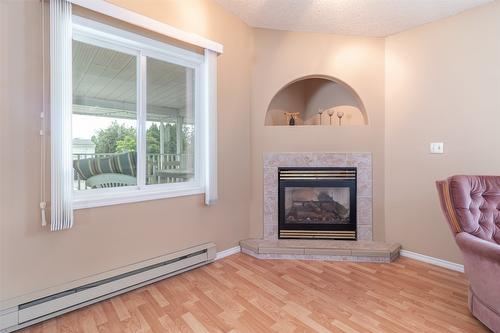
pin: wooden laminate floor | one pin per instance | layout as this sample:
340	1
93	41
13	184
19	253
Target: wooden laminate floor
244	294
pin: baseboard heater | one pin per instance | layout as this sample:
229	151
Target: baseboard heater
140	274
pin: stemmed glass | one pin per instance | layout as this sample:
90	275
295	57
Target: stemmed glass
320	112
340	114
330	114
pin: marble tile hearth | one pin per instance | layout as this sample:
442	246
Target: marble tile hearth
358	251
364	249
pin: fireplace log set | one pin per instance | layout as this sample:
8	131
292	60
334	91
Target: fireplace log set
323	210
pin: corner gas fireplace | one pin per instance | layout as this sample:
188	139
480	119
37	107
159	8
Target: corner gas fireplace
317	203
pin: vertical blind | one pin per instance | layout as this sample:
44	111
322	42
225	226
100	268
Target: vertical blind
61	214
210	104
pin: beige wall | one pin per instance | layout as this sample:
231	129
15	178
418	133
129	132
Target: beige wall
443	85
105	238
281	57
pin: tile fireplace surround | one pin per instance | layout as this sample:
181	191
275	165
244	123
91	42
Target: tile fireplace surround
364	249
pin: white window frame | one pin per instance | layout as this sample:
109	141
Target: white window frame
102	35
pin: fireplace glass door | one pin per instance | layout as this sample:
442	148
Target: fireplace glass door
317	203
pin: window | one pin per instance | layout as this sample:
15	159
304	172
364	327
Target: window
170	129
131	118
136	117
104	117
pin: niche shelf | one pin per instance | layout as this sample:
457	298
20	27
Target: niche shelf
303	99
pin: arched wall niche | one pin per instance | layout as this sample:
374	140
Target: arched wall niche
306	96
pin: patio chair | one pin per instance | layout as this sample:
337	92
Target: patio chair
105	180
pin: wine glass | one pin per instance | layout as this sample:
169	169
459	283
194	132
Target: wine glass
320	112
330	114
340	114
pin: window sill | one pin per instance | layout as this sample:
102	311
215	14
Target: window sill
92	198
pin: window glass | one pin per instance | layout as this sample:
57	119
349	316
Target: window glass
104	117
169	123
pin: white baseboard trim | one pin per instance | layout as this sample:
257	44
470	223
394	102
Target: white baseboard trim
431	260
228	252
404	253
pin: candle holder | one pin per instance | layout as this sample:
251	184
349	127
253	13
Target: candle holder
340	114
320	113
330	114
291	117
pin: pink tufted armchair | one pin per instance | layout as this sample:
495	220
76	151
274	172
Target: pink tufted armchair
471	205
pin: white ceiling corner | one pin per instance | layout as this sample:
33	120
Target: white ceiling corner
374	18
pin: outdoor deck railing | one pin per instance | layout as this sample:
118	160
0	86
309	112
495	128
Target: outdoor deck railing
154	163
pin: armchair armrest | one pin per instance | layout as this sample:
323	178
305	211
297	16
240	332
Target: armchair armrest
482	266
479	247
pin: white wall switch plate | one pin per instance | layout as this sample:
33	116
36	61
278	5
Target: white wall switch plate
437	148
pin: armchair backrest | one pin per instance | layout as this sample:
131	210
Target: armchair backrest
471	204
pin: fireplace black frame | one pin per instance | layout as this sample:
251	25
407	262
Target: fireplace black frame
346	177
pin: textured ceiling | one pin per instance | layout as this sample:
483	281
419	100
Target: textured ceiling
378	18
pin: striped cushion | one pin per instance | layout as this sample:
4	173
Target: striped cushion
85	168
124	163
104	165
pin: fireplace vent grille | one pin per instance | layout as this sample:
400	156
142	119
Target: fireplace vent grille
317	174
304	234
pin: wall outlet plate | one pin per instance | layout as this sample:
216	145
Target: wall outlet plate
437	148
